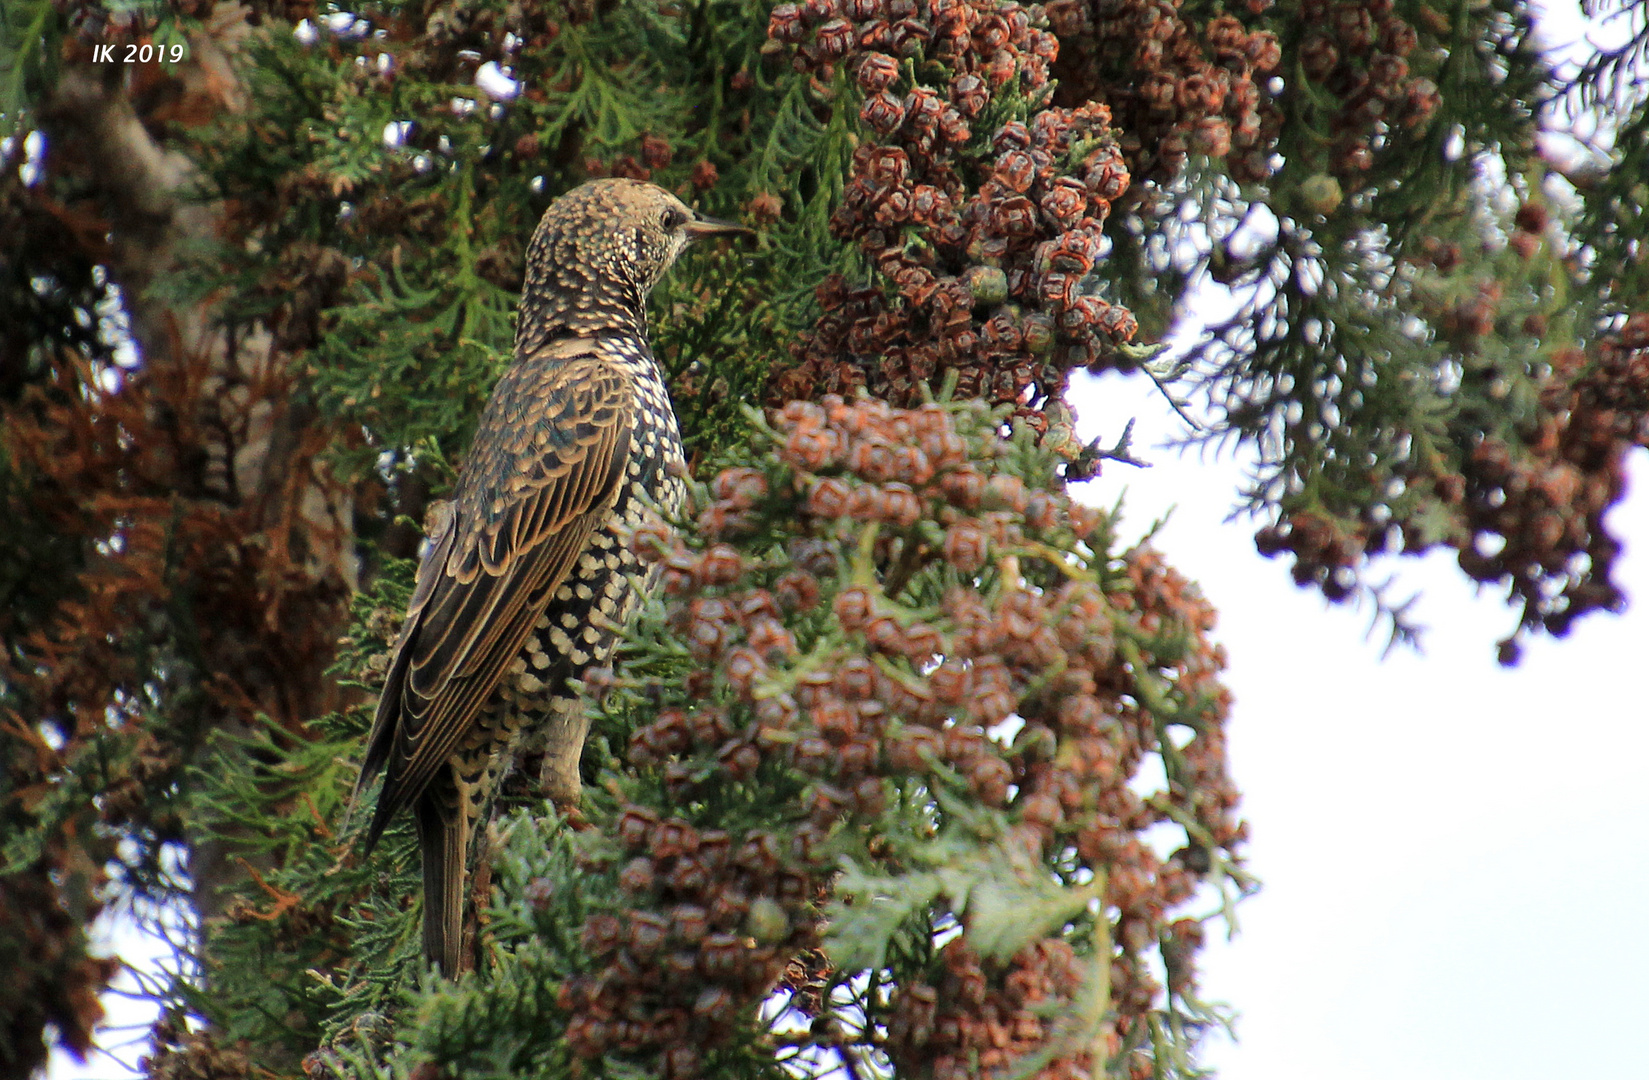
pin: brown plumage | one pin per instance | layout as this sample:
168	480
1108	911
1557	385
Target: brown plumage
527	582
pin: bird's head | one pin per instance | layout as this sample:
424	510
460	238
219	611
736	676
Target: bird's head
598	252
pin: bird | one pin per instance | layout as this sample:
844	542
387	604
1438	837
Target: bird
527	579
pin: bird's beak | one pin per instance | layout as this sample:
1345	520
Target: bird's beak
707	226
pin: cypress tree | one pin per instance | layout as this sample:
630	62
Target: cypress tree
880	780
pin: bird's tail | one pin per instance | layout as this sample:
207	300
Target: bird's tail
441	842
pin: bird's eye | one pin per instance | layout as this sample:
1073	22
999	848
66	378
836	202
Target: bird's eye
673	219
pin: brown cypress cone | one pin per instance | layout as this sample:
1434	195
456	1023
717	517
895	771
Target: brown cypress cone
987	237
849	718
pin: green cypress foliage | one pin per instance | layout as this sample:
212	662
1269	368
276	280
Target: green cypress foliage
807	839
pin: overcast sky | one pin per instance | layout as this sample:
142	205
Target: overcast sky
1453	854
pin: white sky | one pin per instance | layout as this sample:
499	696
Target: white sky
1453	853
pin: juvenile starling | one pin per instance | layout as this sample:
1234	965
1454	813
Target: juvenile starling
527	583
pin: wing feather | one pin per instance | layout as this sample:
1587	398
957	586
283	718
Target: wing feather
546	467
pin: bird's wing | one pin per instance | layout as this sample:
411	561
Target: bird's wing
545	469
